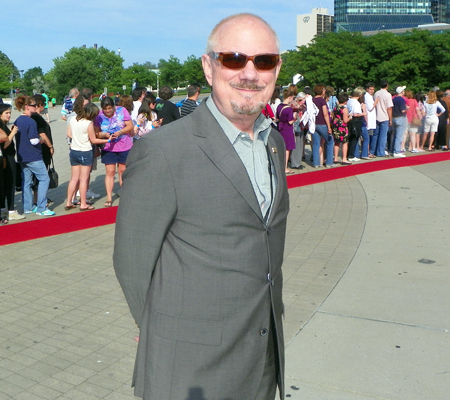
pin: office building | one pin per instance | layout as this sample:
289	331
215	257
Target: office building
377	15
310	25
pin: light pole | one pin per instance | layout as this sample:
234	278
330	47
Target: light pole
119	51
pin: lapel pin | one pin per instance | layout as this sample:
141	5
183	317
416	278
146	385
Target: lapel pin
274	150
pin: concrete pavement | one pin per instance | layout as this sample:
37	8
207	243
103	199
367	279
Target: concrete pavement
366	293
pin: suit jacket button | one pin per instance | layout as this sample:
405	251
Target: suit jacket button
263	332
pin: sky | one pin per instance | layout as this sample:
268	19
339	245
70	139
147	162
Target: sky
35	33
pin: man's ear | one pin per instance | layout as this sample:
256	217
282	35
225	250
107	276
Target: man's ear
207	68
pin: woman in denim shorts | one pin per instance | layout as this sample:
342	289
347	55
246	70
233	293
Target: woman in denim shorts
81	131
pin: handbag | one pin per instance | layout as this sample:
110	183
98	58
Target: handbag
53	175
416	121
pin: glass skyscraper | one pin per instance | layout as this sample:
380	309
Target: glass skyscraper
358	15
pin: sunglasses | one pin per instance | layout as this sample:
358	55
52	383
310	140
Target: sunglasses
32	105
233	60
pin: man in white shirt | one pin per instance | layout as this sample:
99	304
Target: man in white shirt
383	107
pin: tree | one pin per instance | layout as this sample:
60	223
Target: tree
9	74
192	71
86	67
140	74
31	74
170	72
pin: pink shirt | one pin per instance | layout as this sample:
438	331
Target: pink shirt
411	112
114	124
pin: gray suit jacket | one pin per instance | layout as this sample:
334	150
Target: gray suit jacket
199	268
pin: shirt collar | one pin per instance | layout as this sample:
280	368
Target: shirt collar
261	127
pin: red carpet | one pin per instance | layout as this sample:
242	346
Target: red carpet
50	226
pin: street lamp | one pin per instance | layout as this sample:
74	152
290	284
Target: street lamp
119	51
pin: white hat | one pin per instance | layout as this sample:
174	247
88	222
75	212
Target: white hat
400	89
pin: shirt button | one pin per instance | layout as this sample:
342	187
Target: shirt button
263	332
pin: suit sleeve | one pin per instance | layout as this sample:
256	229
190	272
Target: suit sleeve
146	212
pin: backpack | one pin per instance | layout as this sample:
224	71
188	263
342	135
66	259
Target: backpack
68	105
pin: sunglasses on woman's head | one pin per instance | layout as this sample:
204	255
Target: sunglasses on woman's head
233	60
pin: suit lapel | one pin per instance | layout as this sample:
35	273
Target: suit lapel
216	145
277	156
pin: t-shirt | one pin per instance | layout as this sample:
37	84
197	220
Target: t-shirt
354	106
188	106
411	112
134	114
167	110
64	111
320	102
80	137
26	152
383	105
372	114
399	107
112	125
46	100
44	127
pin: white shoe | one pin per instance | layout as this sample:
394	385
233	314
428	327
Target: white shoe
414	151
354	159
14	215
91	195
399	155
78	194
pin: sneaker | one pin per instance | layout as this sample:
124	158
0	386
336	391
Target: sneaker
414	151
91	195
354	159
403	150
46	213
399	155
330	166
32	211
386	153
14	215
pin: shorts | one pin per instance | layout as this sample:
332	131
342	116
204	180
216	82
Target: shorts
83	158
44	111
111	157
431	123
413	128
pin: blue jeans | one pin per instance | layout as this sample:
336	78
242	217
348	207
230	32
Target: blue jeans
38	169
400	124
363	150
378	141
322	133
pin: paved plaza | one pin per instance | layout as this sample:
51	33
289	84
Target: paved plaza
366	291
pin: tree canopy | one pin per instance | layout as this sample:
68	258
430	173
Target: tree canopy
9	74
418	59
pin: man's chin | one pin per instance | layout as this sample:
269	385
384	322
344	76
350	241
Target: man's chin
248	108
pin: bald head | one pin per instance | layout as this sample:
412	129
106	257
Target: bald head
242	20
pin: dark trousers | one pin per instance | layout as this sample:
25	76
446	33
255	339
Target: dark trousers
354	133
9	183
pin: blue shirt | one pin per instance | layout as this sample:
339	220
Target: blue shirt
26	152
399	106
253	155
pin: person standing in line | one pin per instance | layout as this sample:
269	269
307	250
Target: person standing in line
45	110
9	171
323	134
190	104
400	121
200	233
29	154
383	109
166	110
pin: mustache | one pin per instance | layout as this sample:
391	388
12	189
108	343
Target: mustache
247	85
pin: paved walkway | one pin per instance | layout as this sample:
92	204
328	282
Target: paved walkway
366	294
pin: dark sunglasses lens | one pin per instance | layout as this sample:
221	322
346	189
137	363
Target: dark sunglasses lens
265	62
234	61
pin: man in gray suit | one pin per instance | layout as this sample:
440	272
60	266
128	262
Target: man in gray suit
200	233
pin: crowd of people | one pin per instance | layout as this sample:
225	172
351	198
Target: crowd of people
107	133
360	125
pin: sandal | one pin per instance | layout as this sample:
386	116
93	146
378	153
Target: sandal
87	208
71	207
290	172
108	203
77	203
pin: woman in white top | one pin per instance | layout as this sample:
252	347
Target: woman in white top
81	131
147	119
356	115
433	109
